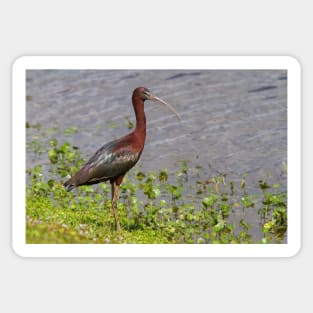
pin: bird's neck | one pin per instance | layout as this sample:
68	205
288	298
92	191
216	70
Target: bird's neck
140	129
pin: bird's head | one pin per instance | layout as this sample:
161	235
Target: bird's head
145	94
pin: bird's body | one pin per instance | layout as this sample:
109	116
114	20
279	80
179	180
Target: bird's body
114	159
111	161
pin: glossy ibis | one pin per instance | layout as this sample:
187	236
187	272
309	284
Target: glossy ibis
113	160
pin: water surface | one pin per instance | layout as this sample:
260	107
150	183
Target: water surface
233	121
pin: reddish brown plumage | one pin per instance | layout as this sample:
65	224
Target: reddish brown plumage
113	160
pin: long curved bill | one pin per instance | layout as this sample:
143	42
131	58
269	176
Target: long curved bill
158	100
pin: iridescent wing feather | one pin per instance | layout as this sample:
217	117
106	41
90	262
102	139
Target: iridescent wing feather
111	160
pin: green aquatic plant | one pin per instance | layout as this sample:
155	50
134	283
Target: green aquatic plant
71	130
154	207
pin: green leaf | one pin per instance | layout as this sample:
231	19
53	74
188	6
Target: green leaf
53	156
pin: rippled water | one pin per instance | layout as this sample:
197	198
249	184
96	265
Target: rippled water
233	121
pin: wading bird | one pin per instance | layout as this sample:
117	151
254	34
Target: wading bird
113	160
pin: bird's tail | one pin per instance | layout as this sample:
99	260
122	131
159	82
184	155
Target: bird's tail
68	185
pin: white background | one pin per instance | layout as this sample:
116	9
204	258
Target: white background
156	28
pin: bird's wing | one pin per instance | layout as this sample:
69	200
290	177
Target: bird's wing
111	160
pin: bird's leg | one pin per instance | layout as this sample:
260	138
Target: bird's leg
115	188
